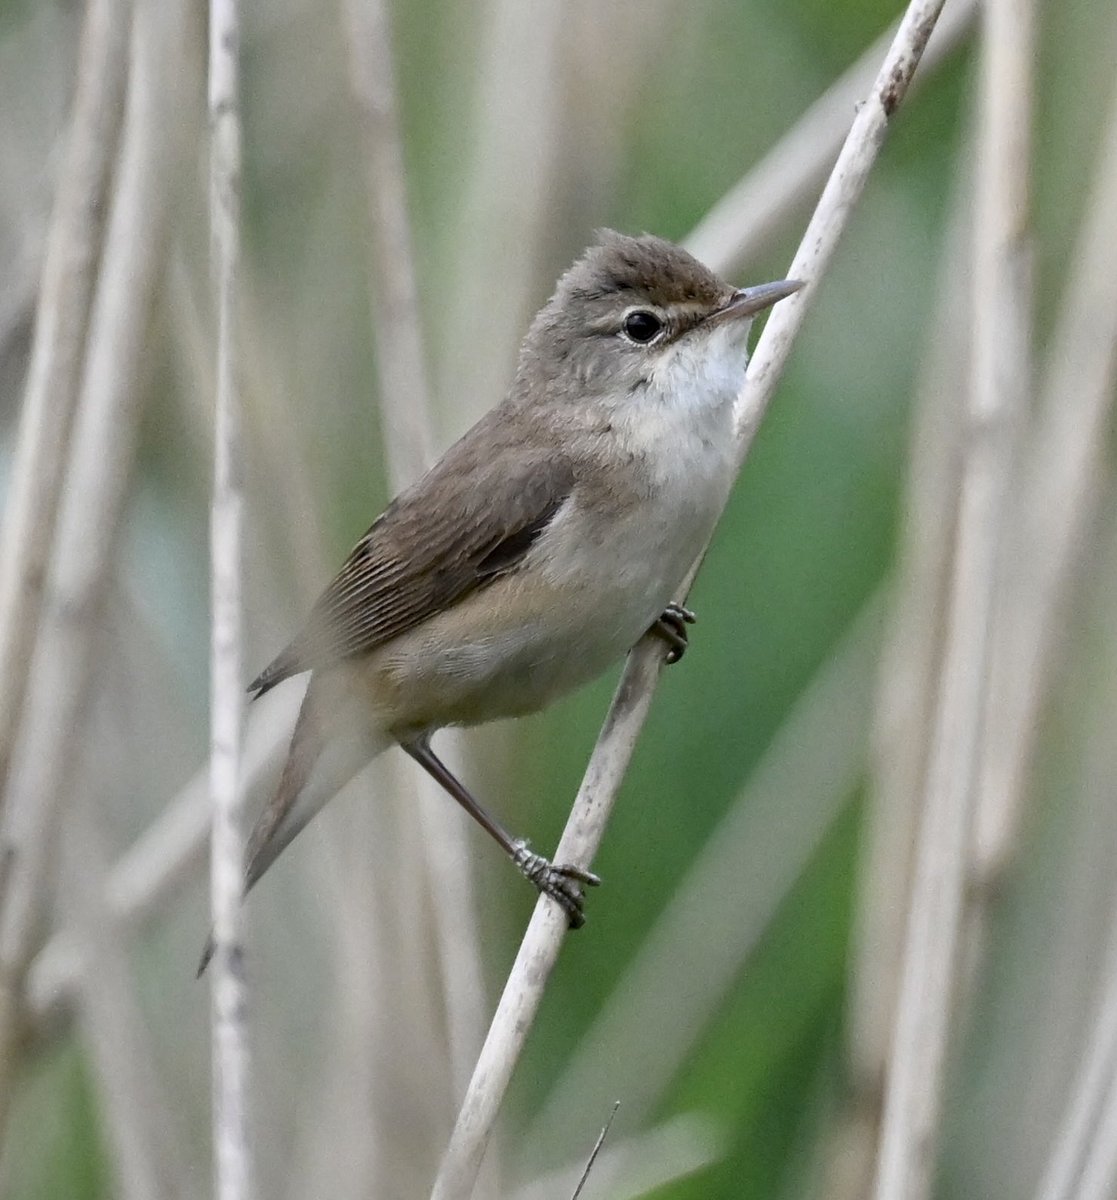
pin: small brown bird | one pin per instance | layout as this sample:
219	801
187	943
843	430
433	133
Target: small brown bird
540	547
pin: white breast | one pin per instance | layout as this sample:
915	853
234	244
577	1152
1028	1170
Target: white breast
602	571
679	434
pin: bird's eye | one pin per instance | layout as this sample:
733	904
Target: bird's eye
642	327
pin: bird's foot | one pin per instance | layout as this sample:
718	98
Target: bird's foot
671	627
560	881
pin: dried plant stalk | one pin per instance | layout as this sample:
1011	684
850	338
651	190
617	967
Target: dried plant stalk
908	668
1076	394
1059	484
164	857
503	202
232	1153
104	446
630	706
997	401
745	871
746	219
1077	1139
136	1110
168	855
54	374
408	427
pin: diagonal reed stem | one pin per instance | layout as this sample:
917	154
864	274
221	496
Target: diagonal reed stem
632	701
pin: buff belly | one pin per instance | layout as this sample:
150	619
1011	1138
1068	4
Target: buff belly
497	655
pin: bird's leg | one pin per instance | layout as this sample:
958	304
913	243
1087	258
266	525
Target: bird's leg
558	880
671	627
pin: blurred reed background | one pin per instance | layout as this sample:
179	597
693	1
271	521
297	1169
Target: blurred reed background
911	590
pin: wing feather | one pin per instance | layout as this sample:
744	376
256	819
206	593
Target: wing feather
471	519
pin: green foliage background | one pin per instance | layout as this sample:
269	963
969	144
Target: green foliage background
808	538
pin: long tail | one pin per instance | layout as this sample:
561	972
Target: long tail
331	743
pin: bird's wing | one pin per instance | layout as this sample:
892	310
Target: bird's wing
471	519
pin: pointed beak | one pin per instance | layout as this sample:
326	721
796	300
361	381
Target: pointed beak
747	302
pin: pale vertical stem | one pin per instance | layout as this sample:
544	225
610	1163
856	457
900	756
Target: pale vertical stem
905	700
168	855
451	885
1079	377
1099	1173
386	1030
605	61
538	951
57	350
135	1109
1058	493
232	1153
408	426
609	762
1075	1115
1094	1089
505	204
908	675
164	856
998	399
104	444
394	293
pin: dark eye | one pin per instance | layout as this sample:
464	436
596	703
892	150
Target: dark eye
642	327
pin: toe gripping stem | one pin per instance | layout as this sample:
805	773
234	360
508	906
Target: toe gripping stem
672	628
560	881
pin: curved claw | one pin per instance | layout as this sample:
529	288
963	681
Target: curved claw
676	612
671	627
560	881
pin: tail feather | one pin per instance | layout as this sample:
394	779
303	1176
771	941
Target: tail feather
319	764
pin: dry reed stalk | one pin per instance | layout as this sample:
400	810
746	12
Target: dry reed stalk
138	885
232	1150
630	706
407	422
1058	495
167	856
902	710
505	203
1079	375
104	445
1082	1136
58	348
1099	1172
606	61
173	842
997	401
906	693
410	437
507	200
743	223
749	864
141	1127
380	1097
1074	1118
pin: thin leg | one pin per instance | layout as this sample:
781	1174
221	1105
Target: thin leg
671	627
559	881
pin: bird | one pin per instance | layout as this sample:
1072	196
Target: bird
539	549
